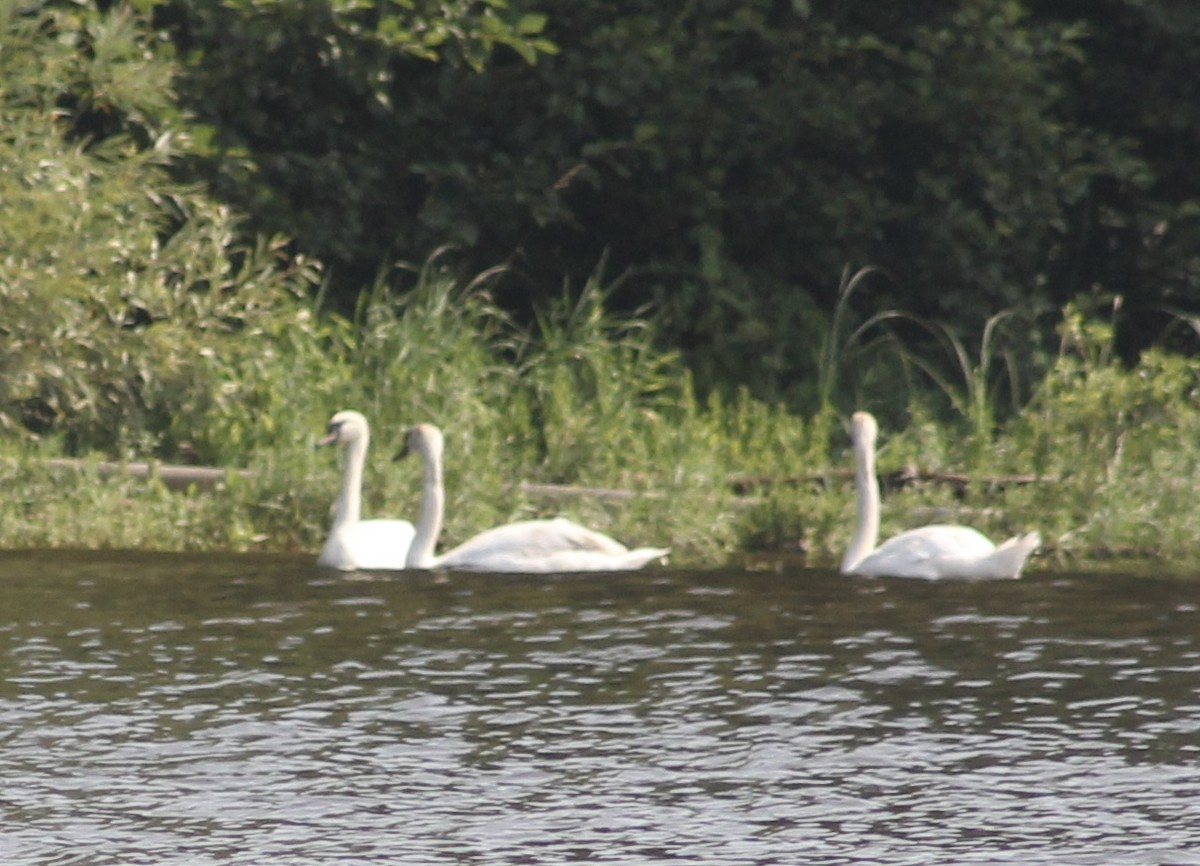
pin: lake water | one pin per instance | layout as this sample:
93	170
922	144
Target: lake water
242	710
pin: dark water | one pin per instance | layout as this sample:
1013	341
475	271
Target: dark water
212	710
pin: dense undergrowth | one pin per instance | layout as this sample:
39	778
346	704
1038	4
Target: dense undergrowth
136	322
1103	460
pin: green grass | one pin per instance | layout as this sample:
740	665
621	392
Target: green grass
137	322
584	398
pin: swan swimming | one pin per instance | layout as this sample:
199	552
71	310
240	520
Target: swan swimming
529	546
355	543
930	552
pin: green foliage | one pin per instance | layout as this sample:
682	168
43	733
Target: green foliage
1112	445
116	281
317	113
583	397
1121	441
1134	228
467	32
724	159
598	385
427	343
729	157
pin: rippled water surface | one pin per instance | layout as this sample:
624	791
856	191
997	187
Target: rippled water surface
233	710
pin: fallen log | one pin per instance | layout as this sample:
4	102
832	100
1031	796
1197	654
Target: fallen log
895	480
175	477
181	477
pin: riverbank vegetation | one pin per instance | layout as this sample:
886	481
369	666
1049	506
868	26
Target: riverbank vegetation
607	428
173	288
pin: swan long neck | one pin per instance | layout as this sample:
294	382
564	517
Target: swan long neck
429	523
866	488
348	508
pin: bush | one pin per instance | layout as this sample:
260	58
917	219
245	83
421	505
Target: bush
119	286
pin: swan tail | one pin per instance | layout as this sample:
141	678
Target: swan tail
590	560
1009	558
572	535
643	556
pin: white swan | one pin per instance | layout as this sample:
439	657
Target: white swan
530	546
354	543
929	552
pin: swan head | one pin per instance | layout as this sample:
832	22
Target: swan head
344	428
863	431
425	440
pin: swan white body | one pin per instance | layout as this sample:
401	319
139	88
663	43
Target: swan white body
529	546
930	552
354	543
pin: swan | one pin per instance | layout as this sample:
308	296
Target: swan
529	546
930	552
354	543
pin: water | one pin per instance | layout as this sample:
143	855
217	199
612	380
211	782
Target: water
234	710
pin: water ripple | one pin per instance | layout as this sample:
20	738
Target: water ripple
260	712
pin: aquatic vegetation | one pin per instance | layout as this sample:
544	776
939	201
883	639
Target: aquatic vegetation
581	415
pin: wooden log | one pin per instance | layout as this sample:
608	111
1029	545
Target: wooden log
905	477
179	477
175	477
567	491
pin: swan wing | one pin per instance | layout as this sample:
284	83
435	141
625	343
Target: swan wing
542	546
928	552
595	560
581	538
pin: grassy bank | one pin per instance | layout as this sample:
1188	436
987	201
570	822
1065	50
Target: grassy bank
585	400
139	319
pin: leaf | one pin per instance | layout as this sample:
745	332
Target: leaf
531	24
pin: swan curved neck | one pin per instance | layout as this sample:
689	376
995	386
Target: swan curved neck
348	508
866	488
429	523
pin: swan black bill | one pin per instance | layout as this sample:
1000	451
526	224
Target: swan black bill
331	437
